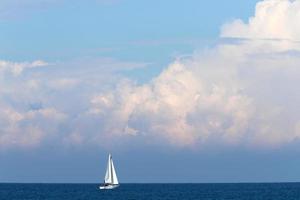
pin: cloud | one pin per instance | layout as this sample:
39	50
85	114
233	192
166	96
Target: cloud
274	19
16	68
242	92
239	93
64	83
177	106
40	103
29	128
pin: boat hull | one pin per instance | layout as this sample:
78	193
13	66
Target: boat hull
108	187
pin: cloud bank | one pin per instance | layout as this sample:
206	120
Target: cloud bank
40	101
242	92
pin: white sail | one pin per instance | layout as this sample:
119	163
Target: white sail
114	175
108	177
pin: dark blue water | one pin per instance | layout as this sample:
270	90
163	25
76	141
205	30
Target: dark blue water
280	191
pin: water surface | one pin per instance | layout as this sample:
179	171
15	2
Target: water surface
279	191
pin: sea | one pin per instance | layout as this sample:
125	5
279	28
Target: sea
253	191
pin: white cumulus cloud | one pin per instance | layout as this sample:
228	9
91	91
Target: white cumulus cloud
28	128
237	93
273	19
40	104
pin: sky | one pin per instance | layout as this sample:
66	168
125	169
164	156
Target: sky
178	91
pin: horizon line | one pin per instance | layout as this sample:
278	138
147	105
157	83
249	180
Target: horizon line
150	183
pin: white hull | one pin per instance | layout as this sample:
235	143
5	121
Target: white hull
108	187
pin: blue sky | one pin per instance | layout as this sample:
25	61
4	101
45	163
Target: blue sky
184	91
123	29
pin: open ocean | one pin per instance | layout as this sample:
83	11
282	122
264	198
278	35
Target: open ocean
276	191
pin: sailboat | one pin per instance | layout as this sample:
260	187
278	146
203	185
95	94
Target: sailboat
110	179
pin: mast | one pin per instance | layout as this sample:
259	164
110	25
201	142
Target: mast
111	169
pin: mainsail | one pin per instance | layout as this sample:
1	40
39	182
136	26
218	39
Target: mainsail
110	175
